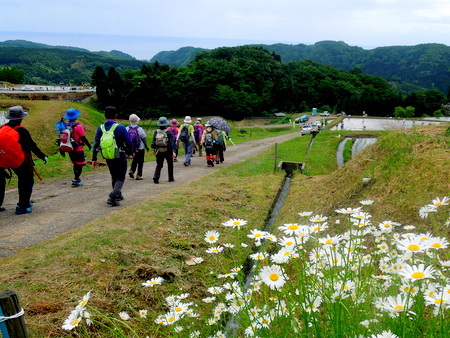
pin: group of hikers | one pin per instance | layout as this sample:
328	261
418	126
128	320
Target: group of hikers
115	142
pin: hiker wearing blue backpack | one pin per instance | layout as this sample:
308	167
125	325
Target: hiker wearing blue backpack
138	139
164	147
113	142
19	145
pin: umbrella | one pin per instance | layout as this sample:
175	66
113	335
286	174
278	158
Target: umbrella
219	123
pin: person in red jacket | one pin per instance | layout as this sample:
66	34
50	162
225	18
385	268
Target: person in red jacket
25	172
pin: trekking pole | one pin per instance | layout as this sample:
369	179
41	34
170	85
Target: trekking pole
37	174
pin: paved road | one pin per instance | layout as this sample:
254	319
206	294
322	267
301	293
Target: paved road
59	208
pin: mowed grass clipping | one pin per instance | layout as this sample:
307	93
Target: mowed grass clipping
114	255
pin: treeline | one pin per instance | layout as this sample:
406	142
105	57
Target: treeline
238	82
410	67
60	65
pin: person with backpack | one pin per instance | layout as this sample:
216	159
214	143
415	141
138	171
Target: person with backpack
78	135
113	142
186	135
209	140
174	129
221	145
138	139
163	145
17	145
198	132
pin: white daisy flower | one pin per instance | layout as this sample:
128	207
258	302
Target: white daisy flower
124	316
366	202
437	202
212	236
153	281
305	213
143	313
273	276
235	223
215	250
347	211
416	272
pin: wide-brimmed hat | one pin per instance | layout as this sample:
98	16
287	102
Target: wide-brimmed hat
174	122
16	113
134	118
72	114
162	122
187	119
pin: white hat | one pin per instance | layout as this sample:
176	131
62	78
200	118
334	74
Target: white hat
134	118
187	119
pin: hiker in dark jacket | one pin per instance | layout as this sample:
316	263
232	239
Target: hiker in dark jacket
164	149
117	166
25	172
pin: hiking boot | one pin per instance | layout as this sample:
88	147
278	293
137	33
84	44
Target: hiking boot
120	198
2	209
113	202
155	180
139	178
131	174
186	164
21	211
77	183
175	160
217	162
171	180
210	163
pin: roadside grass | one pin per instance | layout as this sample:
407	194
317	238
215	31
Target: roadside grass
114	255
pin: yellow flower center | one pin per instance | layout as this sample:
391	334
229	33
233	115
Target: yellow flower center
274	277
83	303
317	229
439	301
287	253
398	307
436	245
178	309
345	287
211	238
413	247
171	319
418	275
387	225
293	227
258	235
76	322
329	241
437	204
289	243
236	223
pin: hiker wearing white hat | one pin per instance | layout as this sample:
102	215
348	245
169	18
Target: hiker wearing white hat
186	135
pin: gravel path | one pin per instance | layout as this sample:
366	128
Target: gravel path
51	216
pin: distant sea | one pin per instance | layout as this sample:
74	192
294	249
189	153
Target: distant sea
140	47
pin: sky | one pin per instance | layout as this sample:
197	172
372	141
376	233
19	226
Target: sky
142	28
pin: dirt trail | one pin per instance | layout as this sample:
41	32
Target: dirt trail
51	216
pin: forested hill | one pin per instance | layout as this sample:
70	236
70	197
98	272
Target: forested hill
424	65
44	64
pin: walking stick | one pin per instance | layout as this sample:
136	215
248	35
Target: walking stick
37	174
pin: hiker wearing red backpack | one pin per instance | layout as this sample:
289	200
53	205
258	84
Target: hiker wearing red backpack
16	146
77	154
138	139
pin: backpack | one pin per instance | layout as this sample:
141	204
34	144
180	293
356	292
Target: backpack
66	141
209	141
220	137
11	152
135	139
197	133
108	145
184	133
161	140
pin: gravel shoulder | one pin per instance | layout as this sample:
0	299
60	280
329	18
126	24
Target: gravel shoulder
59	208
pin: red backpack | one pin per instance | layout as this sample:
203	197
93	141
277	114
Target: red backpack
11	153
